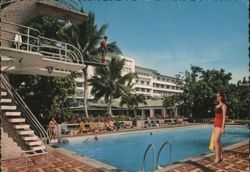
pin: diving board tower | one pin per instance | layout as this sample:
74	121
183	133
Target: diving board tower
23	50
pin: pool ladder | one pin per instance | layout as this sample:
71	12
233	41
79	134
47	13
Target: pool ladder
156	160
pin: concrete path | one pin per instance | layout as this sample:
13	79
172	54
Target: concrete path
234	160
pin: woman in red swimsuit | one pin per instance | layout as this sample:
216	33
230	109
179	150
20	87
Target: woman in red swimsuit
220	111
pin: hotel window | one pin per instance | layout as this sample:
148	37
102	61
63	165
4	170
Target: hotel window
79	93
142	82
162	86
78	75
142	89
79	84
147	83
136	81
137	89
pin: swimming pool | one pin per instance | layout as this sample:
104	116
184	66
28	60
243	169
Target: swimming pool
126	151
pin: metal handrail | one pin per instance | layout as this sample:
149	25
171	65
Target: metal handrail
158	155
67	48
72	4
7	2
51	48
25	111
145	155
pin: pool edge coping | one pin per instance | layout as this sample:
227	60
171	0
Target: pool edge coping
84	159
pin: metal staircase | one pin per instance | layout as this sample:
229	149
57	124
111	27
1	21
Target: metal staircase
17	113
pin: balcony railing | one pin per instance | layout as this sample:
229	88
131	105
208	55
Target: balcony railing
30	39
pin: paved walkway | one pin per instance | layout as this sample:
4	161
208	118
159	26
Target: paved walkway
58	162
234	160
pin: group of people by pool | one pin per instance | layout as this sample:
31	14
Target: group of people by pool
94	127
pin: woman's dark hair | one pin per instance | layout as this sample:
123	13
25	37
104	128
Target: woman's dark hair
223	97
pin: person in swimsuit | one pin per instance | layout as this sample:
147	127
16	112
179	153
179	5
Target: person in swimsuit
52	128
220	111
104	48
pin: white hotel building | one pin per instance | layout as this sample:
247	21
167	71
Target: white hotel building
149	83
155	85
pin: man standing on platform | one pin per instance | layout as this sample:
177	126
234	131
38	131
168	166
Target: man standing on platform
104	48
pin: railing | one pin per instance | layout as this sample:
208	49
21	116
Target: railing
145	155
158	155
156	163
30	39
71	4
5	3
25	111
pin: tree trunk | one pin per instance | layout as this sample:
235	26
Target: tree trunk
85	75
109	106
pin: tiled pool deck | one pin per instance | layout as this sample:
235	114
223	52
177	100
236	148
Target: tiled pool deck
234	160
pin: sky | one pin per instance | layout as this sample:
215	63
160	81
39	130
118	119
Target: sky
170	36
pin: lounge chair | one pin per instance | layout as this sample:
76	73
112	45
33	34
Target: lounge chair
64	129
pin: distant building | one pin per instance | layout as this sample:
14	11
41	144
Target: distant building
149	83
155	85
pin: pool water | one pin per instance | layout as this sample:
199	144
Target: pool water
126	151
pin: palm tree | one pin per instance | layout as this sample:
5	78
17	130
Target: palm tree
132	101
108	81
86	38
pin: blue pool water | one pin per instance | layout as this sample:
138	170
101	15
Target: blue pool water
126	151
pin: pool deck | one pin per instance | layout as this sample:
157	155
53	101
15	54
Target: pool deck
235	159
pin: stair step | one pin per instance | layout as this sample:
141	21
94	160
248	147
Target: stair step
26	132
35	143
38	148
12	113
14	120
6	107
5	100
3	93
22	126
28	138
